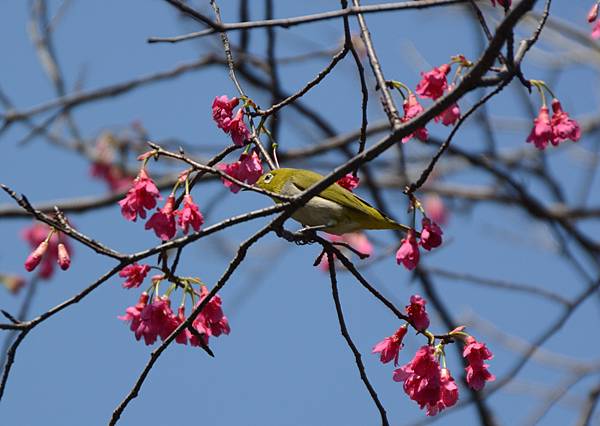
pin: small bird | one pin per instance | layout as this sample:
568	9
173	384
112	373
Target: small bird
335	210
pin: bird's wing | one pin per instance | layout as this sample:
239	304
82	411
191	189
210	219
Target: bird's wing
337	194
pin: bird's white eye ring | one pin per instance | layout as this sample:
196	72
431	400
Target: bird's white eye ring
268	178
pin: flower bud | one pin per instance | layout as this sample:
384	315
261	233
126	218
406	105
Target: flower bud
593	13
33	260
64	261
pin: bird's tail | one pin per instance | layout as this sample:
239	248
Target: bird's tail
388	223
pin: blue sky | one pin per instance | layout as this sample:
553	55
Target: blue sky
285	362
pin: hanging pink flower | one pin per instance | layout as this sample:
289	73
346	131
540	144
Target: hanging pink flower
64	260
433	83
436	209
350	182
222	111
357	240
417	313
448	392
114	177
35	235
450	115
247	169
412	108
134	274
238	130
163	221
389	348
141	197
431	234
34	259
189	215
563	127
251	168
133	313
541	134
426	383
232	170
211	320
477	371
150	321
596	31
408	253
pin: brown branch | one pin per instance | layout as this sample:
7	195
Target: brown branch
350	343
298	20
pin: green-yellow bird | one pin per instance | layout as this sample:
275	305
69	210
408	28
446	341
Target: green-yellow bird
335	210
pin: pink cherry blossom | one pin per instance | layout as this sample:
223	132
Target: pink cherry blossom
163	221
64	260
433	83
251	168
211	320
477	371
408	253
448	393
431	234
436	209
417	313
541	134
222	111
34	259
563	127
116	180
350	182
596	31
426	383
184	335
247	169
389	348
141	197
135	275
150	321
133	313
189	215
412	108
357	240
238	130
35	235
450	115
233	170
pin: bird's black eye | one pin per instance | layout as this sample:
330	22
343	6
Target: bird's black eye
268	178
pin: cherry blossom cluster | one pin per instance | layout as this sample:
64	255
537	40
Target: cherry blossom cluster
143	195
426	378
592	18
49	247
430	237
222	113
553	130
433	85
152	317
247	169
